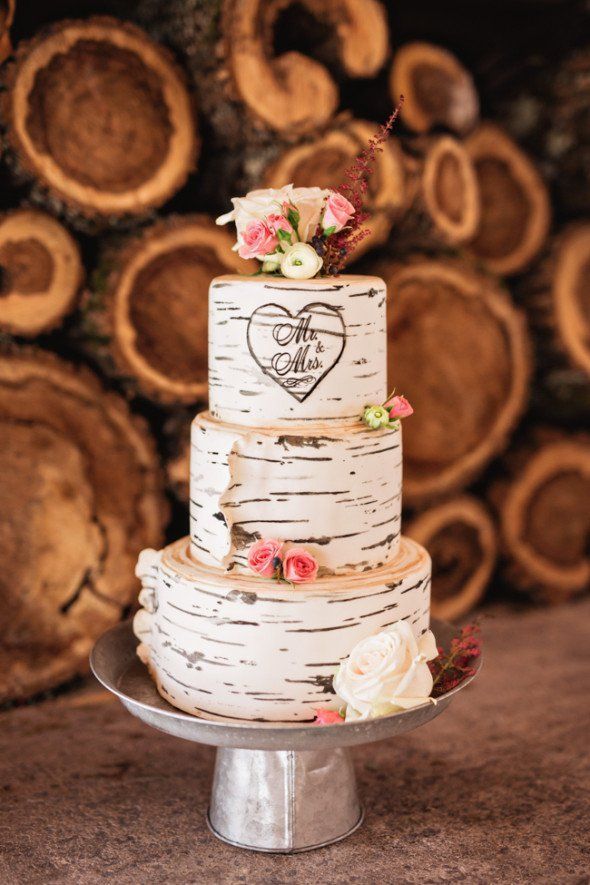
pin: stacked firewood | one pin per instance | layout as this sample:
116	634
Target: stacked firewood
122	141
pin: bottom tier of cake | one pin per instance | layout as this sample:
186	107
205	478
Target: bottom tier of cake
238	647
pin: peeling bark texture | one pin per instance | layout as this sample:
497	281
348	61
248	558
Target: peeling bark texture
146	318
323	161
557	294
461	538
41	271
543	502
76	97
458	323
442	196
438	90
515	209
81	495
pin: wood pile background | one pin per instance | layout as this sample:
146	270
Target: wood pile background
127	126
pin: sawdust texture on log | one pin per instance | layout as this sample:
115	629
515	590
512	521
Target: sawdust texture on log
41	272
323	161
99	116
515	209
459	349
544	506
462	540
146	318
443	200
290	92
81	496
557	293
438	90
7	10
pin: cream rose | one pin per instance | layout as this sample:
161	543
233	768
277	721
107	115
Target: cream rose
300	262
255	206
386	672
309	202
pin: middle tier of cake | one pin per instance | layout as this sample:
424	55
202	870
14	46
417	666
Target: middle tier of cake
336	491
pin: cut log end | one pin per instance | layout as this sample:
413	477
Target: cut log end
323	163
7	10
156	302
41	272
290	92
69	537
557	293
438	90
515	207
443	203
461	539
458	323
78	95
545	516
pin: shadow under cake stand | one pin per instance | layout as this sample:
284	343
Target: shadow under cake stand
280	787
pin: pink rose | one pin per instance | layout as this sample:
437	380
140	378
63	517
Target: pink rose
277	223
299	566
399	407
263	556
338	212
327	717
258	240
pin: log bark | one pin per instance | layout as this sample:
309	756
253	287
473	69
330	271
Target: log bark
81	496
459	350
442	196
438	89
7	10
461	538
100	118
146	318
544	507
322	162
557	294
41	272
177	434
291	92
515	208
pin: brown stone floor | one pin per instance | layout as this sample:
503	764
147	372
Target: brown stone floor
495	790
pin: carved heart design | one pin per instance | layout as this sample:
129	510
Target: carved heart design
297	351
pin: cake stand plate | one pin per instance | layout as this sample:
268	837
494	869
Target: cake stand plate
280	787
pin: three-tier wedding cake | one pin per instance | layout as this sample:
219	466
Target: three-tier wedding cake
295	556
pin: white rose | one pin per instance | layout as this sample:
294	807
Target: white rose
385	672
309	202
300	262
255	206
271	263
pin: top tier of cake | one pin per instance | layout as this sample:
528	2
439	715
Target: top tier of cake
292	352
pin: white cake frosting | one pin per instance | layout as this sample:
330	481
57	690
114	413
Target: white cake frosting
240	647
283	453
334	490
290	352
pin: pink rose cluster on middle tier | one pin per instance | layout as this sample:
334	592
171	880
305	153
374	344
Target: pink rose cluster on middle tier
297	565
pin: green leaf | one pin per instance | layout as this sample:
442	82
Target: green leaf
328	231
293	217
284	236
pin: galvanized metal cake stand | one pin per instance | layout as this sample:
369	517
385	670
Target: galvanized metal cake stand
277	787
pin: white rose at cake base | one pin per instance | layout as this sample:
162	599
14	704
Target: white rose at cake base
296	586
387	672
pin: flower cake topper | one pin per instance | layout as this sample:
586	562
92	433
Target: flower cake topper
299	232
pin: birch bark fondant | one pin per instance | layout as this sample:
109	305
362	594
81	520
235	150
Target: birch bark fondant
287	352
289	461
238	647
337	491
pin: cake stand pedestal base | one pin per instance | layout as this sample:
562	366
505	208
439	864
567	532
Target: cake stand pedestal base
282	787
283	800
